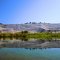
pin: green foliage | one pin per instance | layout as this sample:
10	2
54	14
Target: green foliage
25	35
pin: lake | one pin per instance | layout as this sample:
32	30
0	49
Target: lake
33	43
29	54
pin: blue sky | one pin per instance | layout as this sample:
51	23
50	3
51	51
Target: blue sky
21	11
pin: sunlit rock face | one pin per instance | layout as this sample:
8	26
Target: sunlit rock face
37	27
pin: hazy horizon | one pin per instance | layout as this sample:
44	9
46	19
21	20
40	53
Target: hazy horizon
22	11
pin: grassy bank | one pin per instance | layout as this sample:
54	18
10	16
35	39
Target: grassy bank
26	35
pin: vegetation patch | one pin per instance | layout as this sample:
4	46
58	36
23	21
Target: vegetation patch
25	35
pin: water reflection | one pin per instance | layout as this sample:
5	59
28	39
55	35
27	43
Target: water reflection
29	43
27	54
35	48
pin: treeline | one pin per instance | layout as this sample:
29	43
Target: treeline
18	35
25	35
32	23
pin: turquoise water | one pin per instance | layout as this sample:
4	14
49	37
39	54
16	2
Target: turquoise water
29	54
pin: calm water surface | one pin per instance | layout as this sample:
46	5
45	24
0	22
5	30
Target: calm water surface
29	54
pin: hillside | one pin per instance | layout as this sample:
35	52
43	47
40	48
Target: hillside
33	27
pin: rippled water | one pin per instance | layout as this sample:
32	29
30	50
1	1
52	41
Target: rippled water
29	54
